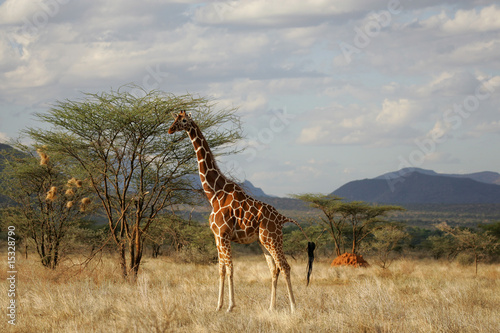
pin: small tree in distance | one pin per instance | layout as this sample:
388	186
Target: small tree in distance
385	240
134	167
348	221
480	244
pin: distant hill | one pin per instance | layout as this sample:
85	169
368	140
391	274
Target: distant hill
420	186
252	190
487	177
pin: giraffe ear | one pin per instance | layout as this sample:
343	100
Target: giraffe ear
173	114
190	115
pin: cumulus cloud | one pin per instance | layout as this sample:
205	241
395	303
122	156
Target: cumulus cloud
466	21
396	113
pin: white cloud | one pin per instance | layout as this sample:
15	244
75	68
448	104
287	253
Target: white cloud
4	138
396	113
18	11
313	135
441	158
466	21
355	124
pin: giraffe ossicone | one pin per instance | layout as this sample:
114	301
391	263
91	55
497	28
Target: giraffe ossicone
237	217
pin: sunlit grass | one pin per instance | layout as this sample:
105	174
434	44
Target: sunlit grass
412	296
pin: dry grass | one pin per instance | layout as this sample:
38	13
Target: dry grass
413	296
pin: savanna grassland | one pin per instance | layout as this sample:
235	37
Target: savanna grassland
410	296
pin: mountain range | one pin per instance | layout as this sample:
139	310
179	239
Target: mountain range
421	186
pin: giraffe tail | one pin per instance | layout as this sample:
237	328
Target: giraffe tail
310	253
310	250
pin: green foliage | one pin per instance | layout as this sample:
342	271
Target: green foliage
493	229
479	243
187	241
441	246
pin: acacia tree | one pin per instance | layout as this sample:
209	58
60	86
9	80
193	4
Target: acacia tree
49	200
334	222
134	167
362	218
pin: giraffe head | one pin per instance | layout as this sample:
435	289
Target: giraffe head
182	121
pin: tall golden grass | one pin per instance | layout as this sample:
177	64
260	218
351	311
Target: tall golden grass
411	296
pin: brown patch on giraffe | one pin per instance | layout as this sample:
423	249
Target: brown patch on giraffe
271	227
216	205
350	259
229	188
200	154
202	178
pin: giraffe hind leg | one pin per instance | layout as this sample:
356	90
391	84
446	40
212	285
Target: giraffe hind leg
274	276
279	259
285	267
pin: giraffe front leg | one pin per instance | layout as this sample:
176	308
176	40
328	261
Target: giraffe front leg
225	268
222	277
231	286
228	265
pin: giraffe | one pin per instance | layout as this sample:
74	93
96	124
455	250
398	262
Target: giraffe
237	217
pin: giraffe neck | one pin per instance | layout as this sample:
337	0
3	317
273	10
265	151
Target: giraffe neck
211	177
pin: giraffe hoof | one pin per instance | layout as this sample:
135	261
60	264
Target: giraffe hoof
230	308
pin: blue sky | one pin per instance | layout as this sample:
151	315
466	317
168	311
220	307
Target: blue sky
328	91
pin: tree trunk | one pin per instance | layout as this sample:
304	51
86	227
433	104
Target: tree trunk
135	253
155	250
336	240
123	260
55	258
475	260
353	243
